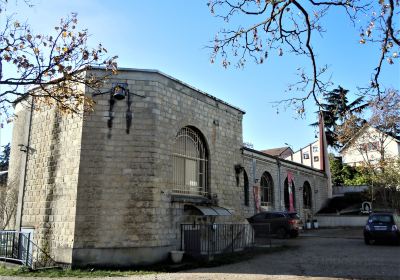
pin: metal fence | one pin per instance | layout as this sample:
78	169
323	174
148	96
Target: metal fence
18	247
212	239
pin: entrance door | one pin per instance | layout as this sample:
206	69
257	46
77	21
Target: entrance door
286	195
192	241
25	245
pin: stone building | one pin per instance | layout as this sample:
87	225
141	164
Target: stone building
114	186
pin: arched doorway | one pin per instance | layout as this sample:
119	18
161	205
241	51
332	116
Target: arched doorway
246	188
307	196
287	192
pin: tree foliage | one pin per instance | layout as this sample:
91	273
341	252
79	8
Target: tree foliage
345	174
336	111
386	113
380	166
386	184
336	170
5	157
52	63
385	124
8	203
281	26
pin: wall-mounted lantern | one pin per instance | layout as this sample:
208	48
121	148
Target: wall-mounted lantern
238	169
119	91
23	148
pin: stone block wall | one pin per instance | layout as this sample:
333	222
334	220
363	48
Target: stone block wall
118	204
49	193
278	169
125	180
17	157
178	106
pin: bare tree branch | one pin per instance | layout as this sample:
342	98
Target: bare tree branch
50	62
289	25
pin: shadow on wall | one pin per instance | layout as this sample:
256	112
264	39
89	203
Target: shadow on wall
51	170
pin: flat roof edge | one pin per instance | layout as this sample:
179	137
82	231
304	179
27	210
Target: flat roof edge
155	71
282	160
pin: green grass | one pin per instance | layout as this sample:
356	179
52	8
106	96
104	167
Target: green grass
163	267
78	273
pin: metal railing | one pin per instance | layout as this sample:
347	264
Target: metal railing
212	239
18	247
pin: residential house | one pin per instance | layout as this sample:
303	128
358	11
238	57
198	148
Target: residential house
309	155
368	146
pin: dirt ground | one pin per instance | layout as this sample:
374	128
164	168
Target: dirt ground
318	255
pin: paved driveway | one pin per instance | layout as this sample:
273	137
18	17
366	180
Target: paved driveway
321	254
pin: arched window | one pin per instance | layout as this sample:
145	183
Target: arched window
267	189
307	196
287	194
190	162
246	188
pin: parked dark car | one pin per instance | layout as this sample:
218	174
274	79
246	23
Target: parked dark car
382	227
281	224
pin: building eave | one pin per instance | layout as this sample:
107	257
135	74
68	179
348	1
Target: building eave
287	162
158	72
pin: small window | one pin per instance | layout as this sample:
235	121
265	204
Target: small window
374	146
315	149
316	159
306	155
364	147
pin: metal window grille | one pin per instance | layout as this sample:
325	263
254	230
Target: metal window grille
190	161
267	186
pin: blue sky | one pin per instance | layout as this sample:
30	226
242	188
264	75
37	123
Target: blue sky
171	36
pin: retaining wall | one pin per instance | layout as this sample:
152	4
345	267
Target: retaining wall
341	221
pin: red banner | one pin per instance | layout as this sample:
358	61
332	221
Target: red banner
290	190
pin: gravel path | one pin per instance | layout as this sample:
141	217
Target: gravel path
319	255
192	276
